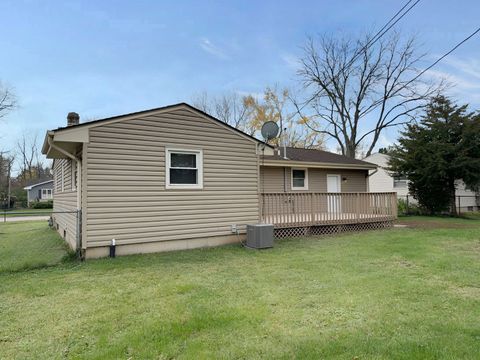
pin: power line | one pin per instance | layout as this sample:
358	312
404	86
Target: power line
385	28
382	31
444	55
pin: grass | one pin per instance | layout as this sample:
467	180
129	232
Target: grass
472	215
410	293
29	245
25	212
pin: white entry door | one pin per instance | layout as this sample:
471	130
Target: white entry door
333	186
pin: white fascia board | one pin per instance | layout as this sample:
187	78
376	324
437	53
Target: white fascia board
302	164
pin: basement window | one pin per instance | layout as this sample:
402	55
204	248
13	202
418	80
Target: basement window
184	169
299	179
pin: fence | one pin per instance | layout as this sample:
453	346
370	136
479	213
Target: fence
309	209
463	204
67	223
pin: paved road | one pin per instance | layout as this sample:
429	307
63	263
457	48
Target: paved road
24	218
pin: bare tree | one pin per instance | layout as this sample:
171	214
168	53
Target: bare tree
229	108
355	91
6	164
28	157
8	100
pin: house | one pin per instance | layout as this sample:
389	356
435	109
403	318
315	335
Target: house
42	191
176	178
384	181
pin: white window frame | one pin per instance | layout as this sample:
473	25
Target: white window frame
199	162
401	183
46	195
63	176
73	165
305	183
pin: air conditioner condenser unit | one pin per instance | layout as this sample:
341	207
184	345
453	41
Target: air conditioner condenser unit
260	236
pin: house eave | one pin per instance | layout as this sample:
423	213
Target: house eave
322	165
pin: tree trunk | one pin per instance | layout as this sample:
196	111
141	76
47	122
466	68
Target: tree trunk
453	204
350	151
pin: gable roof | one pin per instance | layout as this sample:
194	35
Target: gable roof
144	112
319	156
381	160
29	187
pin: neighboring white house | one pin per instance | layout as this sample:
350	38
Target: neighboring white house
383	180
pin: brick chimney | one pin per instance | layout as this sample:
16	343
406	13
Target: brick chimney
73	119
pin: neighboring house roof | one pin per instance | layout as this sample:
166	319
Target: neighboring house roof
144	112
30	187
312	156
379	159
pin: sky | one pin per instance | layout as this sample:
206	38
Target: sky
105	58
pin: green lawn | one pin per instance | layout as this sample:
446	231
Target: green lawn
29	245
410	293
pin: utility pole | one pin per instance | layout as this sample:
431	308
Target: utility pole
9	183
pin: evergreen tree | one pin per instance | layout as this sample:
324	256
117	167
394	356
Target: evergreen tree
443	147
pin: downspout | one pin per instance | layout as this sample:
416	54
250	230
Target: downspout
78	188
368	175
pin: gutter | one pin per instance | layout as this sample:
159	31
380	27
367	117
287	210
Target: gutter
78	187
290	163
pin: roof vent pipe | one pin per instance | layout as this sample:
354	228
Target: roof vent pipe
73	119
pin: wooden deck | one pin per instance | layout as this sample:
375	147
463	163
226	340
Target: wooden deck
313	209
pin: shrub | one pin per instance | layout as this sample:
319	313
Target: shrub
405	208
42	205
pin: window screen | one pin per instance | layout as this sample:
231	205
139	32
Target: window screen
298	178
185	168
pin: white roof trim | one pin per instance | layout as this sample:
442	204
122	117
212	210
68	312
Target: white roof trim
323	165
30	187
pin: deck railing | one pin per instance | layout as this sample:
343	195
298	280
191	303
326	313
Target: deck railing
307	209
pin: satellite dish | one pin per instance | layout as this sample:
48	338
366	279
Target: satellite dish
270	130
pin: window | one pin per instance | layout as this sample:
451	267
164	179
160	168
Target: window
46	193
184	169
63	176
299	179
74	174
399	181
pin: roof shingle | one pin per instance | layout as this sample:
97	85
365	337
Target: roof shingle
314	155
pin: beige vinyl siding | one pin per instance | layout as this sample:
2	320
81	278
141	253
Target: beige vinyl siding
64	201
272	179
356	180
125	180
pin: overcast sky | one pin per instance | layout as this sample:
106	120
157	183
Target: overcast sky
103	58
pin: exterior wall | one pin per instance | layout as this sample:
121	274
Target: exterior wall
161	246
32	194
383	181
65	200
126	198
467	200
276	179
